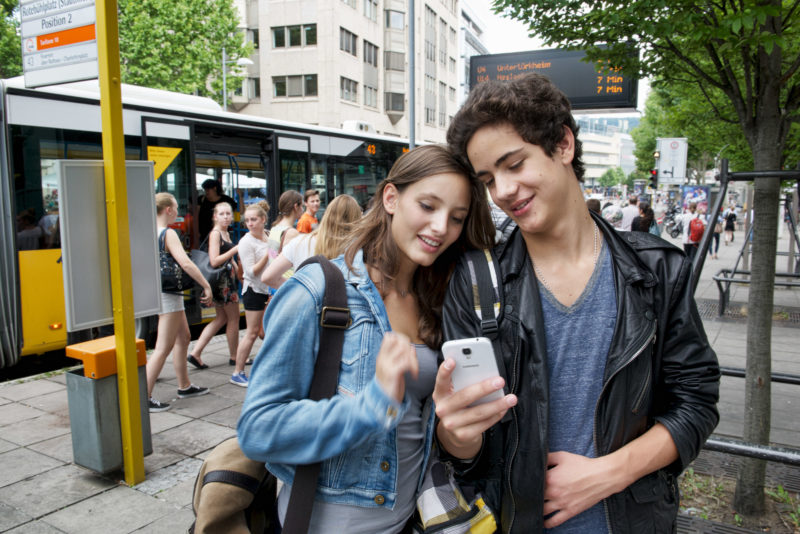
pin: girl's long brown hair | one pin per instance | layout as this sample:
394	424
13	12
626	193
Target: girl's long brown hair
334	230
372	234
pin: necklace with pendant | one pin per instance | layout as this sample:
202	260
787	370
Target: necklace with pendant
594	261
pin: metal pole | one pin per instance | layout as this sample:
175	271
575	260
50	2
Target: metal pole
753	450
412	67
119	243
224	80
705	241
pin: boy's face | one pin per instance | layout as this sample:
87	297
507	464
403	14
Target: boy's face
313	204
522	179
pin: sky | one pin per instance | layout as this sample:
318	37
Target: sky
504	35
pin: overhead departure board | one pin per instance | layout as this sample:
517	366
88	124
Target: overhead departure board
587	85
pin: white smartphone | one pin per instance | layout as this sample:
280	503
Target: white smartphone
475	362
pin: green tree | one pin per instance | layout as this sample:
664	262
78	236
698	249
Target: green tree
744	57
177	44
613	176
10	44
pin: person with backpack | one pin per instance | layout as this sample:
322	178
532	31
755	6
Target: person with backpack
730	223
694	225
374	436
611	385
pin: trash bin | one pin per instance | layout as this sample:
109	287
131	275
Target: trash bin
93	398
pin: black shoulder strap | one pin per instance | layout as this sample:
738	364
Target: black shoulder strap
334	319
485	290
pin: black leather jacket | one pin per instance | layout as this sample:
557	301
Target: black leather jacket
660	368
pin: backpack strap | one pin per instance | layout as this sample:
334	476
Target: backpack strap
334	320
485	290
234	478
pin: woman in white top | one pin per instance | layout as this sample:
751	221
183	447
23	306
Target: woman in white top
221	250
173	328
329	239
253	255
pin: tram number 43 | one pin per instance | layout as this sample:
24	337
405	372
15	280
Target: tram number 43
371	149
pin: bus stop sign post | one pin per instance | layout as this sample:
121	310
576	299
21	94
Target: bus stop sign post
119	239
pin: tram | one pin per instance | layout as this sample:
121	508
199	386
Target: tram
190	139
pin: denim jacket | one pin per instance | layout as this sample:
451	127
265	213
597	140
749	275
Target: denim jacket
353	433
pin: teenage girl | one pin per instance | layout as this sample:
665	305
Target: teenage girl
173	328
374	435
253	254
290	207
226	300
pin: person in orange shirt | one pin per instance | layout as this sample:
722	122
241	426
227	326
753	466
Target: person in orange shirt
308	221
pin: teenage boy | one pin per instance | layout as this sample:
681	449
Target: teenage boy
611	383
308	221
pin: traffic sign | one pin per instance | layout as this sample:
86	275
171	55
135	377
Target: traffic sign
58	41
672	159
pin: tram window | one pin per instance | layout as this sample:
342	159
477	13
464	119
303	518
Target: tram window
293	170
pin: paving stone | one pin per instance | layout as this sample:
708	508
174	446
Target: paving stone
119	510
61	378
35	527
55	402
181	493
13	413
192	438
7	445
168	477
161	457
59	448
53	490
178	521
19	464
34	430
212	378
227	417
230	391
4	401
11	517
25	390
196	409
161	421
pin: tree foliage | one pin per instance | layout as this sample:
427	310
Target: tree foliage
744	58
177	44
613	176
10	45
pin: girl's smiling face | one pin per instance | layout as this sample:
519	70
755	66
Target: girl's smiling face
427	215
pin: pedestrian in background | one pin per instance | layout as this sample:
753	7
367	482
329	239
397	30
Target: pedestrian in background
173	328
717	223
629	212
254	255
290	207
328	239
221	250
730	223
690	239
374	437
594	205
308	221
643	221
212	196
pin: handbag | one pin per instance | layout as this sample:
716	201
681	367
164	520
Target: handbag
214	275
443	507
173	278
243	498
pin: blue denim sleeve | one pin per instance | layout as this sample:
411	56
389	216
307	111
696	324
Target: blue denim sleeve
278	424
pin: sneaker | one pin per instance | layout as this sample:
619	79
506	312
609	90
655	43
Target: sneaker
191	391
156	406
240	379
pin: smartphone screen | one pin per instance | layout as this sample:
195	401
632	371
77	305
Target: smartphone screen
475	362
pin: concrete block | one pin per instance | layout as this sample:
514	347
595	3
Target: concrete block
59	448
11	517
178	521
34	430
35	527
25	390
192	438
19	464
13	413
192	407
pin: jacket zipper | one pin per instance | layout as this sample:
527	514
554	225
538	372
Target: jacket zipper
640	397
650	337
514	449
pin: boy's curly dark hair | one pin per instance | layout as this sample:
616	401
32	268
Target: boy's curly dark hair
532	104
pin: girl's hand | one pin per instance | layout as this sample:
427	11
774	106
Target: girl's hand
395	358
206	297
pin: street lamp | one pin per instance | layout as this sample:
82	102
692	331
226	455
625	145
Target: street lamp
242	61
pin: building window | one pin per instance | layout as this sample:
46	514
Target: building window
253	37
294	86
430	100
442	105
370	96
305	35
349	89
453	35
351	3
443	42
254	87
371	9
395	20
453	65
310	33
370	53
452	91
348	42
394	61
395	102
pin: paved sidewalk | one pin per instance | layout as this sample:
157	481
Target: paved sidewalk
42	491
